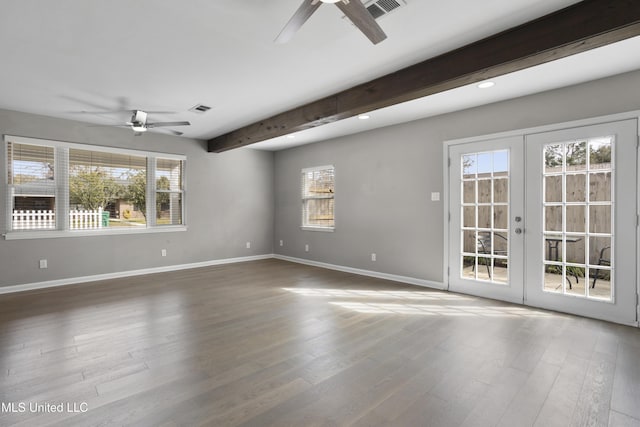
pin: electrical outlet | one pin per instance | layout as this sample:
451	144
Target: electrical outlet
306	248
281	242
43	263
248	245
373	257
435	196
164	252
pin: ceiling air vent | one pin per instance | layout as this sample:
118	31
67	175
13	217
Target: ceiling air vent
200	108
382	7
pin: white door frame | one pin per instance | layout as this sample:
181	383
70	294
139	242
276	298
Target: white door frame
521	133
623	307
512	290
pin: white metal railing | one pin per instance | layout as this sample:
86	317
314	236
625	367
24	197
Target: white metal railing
46	220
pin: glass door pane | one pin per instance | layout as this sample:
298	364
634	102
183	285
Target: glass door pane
582	221
577	211
485	212
482	204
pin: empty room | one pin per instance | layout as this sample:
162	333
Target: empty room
319	213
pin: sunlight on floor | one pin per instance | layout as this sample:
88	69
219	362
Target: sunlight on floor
444	304
359	293
440	310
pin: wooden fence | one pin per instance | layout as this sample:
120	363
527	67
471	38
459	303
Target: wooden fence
46	220
599	188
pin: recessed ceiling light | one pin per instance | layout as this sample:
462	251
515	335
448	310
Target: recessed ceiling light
485	85
330	1
291	136
364	117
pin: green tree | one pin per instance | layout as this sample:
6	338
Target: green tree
577	153
93	189
162	183
553	156
602	154
137	191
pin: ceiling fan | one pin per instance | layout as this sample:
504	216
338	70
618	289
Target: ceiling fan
139	124
353	9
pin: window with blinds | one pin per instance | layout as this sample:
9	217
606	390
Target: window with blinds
32	186
61	187
169	183
112	184
318	191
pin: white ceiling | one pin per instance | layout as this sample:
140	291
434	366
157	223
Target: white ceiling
63	57
584	67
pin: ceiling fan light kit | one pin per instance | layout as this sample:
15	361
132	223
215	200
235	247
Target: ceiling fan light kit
139	123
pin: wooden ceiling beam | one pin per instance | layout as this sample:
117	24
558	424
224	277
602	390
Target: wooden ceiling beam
578	28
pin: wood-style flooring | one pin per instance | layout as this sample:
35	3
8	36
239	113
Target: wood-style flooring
272	343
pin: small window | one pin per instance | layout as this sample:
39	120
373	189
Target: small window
32	186
169	189
318	191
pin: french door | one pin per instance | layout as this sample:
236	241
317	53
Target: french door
570	244
486	224
581	207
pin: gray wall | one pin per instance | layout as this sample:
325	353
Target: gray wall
383	183
229	201
384	178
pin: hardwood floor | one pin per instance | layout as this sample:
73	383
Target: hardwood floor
271	343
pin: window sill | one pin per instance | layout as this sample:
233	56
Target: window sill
53	234
324	229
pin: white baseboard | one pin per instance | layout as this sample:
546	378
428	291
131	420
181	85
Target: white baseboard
369	273
163	269
120	274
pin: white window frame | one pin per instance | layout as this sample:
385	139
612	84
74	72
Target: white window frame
152	209
61	159
303	173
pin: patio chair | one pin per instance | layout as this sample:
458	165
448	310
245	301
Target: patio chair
601	261
483	242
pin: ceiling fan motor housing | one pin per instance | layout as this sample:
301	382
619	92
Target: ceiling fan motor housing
139	117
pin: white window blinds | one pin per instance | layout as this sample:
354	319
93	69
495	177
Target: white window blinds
169	188
32	186
61	188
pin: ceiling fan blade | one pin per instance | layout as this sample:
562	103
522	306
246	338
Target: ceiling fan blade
303	13
122	111
109	126
361	18
175	132
167	124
